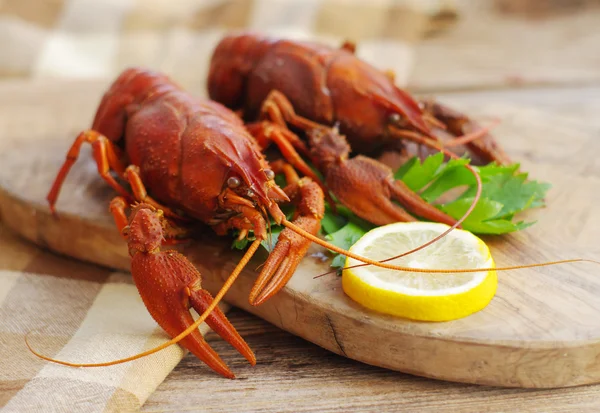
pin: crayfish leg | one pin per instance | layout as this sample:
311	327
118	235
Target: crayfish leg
117	209
132	175
287	142
291	247
261	131
106	156
277	108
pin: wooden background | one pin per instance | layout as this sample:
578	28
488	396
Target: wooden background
556	51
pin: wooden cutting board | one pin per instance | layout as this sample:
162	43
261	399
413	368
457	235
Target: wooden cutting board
541	330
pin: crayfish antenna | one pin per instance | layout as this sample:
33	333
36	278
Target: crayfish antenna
384	264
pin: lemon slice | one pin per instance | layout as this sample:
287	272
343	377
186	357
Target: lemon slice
421	296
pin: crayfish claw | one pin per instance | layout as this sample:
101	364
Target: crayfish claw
200	299
290	247
196	344
160	279
168	284
367	188
279	268
484	149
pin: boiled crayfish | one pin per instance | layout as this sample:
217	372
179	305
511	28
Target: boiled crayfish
198	162
308	86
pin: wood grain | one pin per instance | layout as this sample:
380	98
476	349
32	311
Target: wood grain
293	375
541	330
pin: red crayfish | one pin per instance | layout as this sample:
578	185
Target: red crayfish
308	85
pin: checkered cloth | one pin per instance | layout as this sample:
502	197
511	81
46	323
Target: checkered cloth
98	38
81	313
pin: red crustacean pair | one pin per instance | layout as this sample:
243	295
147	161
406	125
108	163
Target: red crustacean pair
186	159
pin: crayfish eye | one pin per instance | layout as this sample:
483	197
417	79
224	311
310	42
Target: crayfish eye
269	174
233	182
395	119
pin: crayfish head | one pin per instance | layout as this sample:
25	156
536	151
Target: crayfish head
253	188
145	231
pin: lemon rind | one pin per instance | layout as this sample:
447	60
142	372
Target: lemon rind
422	308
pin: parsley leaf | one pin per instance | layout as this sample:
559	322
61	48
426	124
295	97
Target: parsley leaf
343	229
419	174
344	238
269	244
505	192
332	222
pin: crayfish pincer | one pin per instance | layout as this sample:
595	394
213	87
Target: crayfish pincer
173	158
168	298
